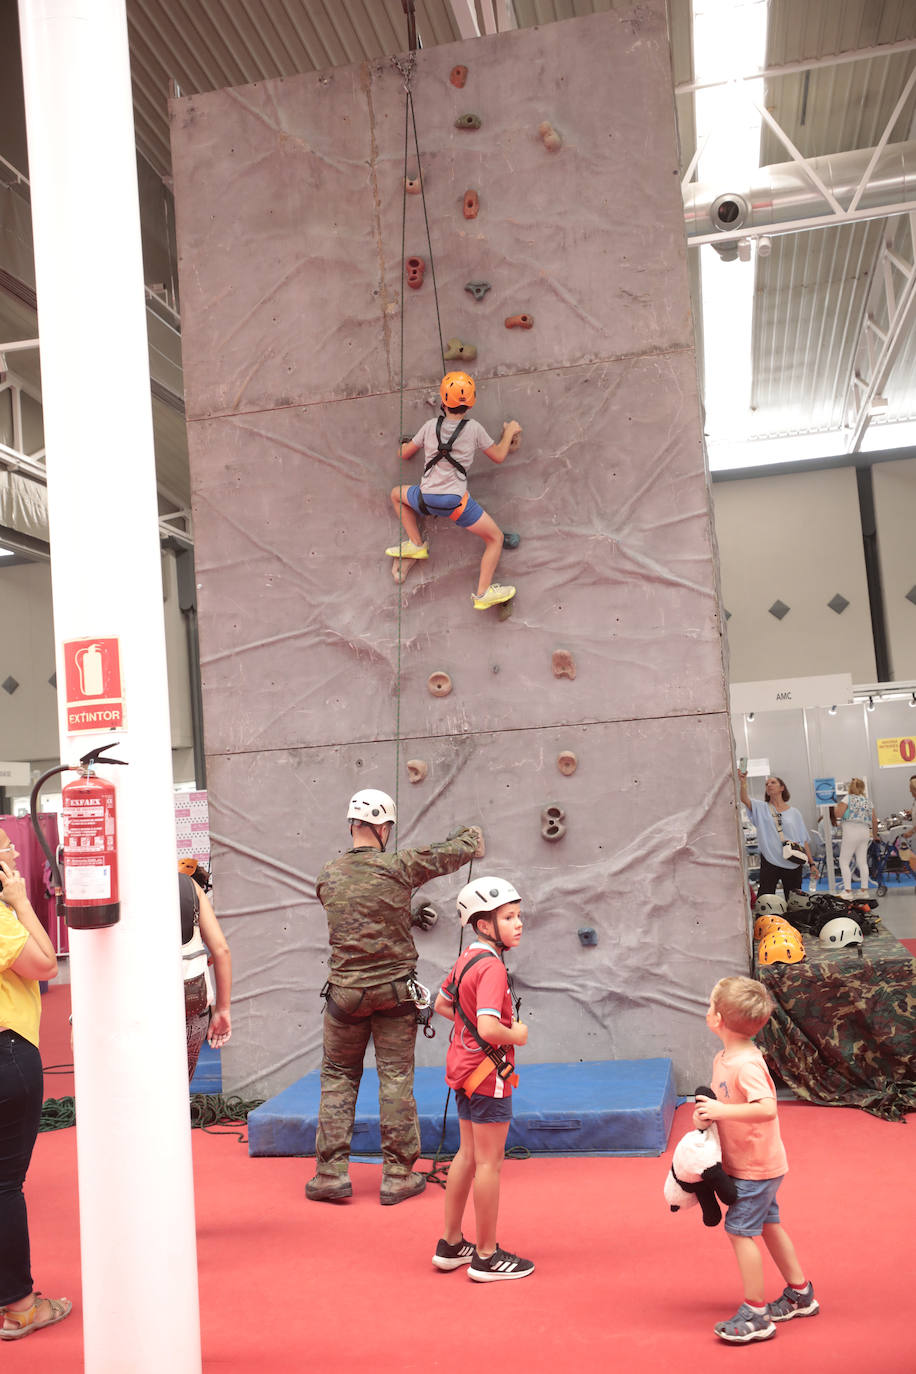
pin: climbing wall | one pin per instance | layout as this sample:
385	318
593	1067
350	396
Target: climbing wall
289	204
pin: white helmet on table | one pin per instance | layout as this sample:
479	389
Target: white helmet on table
770	904
371	807
482	895
840	932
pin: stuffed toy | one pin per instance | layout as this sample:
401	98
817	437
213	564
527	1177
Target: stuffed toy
696	1174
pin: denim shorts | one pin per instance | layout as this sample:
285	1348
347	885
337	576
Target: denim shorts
444	505
755	1208
482	1109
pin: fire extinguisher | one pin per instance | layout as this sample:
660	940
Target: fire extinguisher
90	843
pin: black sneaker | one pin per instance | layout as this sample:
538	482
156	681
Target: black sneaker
499	1265
453	1256
746	1325
795	1303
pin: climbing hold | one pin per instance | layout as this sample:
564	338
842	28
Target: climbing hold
424	916
416	769
587	936
552	827
471	204
458	76
415	269
439	684
468	121
478	289
458	350
566	762
549	137
511	540
520	322
505	608
412	185
564	665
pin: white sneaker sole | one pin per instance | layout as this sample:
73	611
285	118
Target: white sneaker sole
810	1311
442	1263
491	1276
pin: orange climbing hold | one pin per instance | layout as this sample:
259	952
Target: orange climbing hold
551	140
415	269
439	684
520	322
471	204
458	76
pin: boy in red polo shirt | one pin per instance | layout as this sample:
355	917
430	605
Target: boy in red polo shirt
479	1068
745	1113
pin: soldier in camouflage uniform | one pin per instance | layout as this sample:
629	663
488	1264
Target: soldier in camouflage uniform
366	896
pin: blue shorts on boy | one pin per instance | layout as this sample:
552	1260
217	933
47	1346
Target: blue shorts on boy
484	991
444	505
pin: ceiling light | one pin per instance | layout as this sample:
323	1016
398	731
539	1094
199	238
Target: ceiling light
912	700
744	250
750	716
764	246
832	711
871	704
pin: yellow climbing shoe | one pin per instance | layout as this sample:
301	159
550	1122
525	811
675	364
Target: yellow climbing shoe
493	596
407	549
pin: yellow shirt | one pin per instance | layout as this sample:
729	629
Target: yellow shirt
20	998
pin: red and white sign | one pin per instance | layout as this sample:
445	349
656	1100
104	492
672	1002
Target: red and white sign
94	694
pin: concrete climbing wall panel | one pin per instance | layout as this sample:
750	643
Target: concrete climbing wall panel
289	200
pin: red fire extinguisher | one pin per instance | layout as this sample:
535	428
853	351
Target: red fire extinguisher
90	844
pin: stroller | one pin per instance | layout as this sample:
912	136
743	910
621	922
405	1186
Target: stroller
885	859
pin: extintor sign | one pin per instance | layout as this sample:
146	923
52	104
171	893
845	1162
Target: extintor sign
94	693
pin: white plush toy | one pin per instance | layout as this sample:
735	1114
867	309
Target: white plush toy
696	1173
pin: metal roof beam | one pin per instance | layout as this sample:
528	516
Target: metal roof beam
788	68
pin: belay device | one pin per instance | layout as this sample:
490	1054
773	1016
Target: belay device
90	843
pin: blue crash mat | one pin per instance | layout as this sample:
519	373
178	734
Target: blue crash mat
614	1107
208	1075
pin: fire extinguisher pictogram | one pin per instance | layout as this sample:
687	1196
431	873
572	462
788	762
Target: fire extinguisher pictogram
89	843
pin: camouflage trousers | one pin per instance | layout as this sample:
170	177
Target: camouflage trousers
345	1044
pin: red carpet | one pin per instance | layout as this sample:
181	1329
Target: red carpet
290	1285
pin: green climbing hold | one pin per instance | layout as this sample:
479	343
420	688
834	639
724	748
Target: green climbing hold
511	540
468	121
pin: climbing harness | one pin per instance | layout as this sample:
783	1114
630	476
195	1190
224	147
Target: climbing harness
495	1054
444	455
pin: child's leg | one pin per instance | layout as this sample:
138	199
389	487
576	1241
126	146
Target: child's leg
489	1150
405	514
487	529
782	1250
458	1183
750	1263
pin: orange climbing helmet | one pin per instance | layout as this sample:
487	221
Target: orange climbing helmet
781	947
765	925
458	389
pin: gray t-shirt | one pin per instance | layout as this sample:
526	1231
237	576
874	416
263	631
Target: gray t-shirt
443	479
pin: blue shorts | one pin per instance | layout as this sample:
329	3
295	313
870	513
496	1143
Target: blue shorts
482	1109
755	1208
444	505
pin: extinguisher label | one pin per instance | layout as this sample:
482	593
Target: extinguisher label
94	692
87	882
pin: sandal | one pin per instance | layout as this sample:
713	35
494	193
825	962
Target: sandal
27	1319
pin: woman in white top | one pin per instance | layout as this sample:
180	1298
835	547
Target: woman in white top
857	818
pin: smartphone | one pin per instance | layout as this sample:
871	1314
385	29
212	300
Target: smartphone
742	765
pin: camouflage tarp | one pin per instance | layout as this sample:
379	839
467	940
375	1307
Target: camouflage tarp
844	1030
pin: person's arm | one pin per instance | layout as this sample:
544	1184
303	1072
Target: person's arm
491	1029
220	1020
408	449
443	1007
874	824
444	856
841	810
710	1109
745	797
37	958
497	453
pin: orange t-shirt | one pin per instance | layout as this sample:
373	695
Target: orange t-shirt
750	1149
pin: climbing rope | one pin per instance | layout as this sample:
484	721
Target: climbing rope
406	70
208	1110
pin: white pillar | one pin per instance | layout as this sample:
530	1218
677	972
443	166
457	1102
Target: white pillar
140	1304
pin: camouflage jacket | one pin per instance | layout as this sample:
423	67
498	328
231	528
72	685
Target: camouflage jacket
366	898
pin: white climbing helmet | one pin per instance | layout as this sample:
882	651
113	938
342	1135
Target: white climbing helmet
840	932
483	895
371	807
770	904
